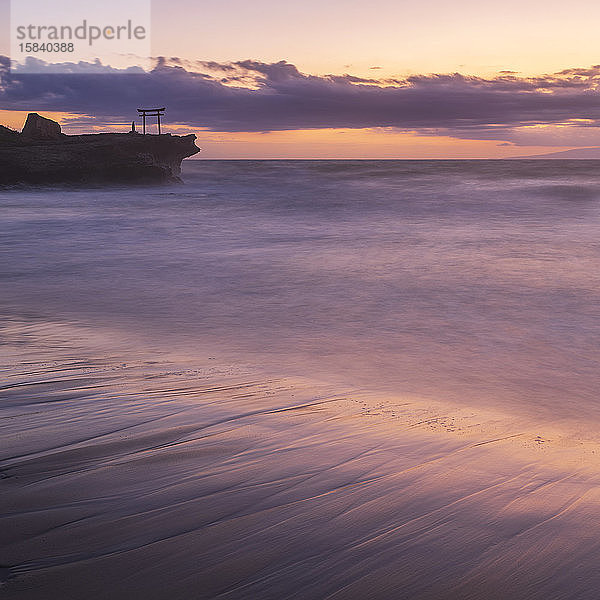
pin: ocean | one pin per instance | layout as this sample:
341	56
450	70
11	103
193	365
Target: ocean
475	281
470	285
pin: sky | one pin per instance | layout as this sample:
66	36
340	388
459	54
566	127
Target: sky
333	79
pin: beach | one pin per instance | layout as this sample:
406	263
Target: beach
369	379
160	477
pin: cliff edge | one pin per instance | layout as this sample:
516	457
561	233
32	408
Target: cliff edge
41	153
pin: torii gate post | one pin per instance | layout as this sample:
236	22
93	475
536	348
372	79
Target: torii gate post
151	112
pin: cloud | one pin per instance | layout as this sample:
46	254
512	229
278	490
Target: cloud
251	95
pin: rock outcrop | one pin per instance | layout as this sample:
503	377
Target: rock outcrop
92	158
7	134
41	128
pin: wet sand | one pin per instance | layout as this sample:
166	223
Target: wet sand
133	474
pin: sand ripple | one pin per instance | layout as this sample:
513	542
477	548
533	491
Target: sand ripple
127	475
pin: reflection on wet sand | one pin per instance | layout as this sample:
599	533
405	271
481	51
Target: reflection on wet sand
156	476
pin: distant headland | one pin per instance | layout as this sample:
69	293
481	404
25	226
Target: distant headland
42	154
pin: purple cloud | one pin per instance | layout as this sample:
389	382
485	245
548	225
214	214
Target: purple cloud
251	95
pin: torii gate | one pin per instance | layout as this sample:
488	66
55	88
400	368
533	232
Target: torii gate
151	112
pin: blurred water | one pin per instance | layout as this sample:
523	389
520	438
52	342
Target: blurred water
472	281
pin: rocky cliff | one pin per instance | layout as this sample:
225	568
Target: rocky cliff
40	128
42	154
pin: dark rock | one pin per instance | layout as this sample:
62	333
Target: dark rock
41	128
8	135
93	158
